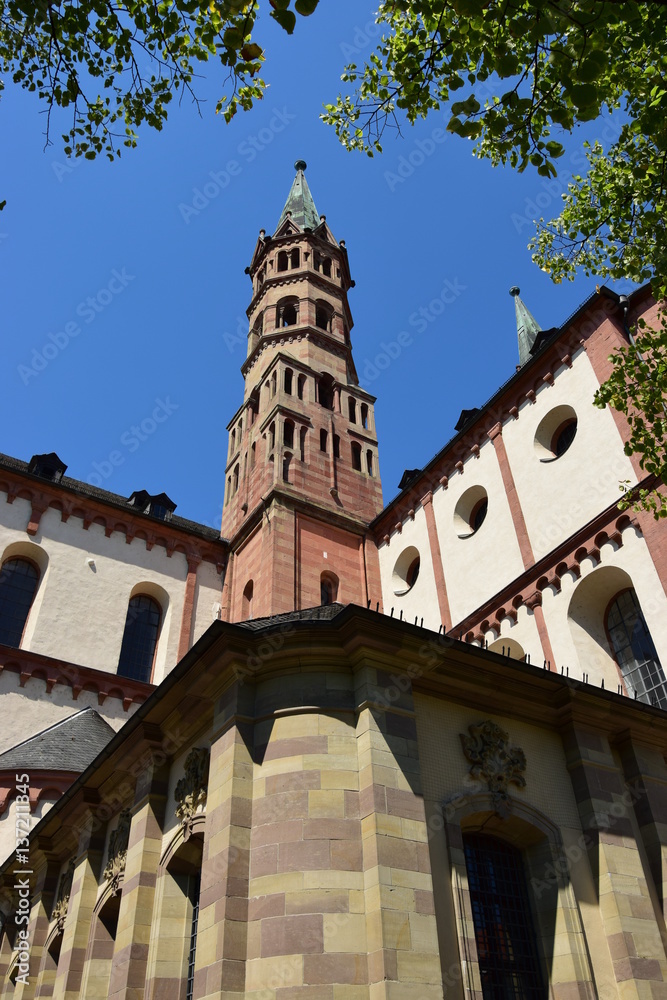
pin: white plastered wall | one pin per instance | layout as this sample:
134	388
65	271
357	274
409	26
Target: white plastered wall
29	710
480	565
580	652
422	600
80	607
558	497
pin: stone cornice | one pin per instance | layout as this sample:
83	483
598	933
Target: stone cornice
113	517
78	678
547	571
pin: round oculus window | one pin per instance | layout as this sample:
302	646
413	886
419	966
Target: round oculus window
406	571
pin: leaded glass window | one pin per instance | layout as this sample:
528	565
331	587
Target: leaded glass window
635	651
18	583
509	966
142	626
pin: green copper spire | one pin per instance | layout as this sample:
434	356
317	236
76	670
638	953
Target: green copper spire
527	327
300	201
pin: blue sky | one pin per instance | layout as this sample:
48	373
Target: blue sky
131	274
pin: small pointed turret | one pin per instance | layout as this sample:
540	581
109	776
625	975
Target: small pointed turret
300	202
527	327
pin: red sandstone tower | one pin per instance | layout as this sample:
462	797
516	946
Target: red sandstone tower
302	476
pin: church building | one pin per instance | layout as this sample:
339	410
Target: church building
343	750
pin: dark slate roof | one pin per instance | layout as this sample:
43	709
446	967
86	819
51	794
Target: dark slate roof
70	745
323	613
300	201
104	496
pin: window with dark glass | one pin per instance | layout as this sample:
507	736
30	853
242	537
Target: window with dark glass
509	965
328	589
634	650
194	885
18	583
142	627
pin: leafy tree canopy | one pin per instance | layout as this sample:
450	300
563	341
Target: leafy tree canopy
516	75
115	64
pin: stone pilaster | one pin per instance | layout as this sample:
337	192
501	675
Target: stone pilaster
605	806
646	776
42	905
403	958
223	912
130	955
85	884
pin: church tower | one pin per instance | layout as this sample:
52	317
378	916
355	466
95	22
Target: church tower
302	473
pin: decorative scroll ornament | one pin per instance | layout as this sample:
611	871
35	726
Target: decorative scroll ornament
59	911
118	844
494	761
191	789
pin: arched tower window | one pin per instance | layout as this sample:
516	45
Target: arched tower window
634	650
336	446
288	434
247	601
18	584
282	260
302	443
369	462
287	312
287	381
323	440
300	386
507	952
364	416
352	408
295	257
287	460
325	391
272	437
253	453
356	456
235	479
323	315
142	626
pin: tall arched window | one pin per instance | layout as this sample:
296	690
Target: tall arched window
142	627
18	583
364	416
247	600
323	440
356	456
300	385
287	460
302	443
295	257
509	966
634	650
288	434
282	260
352	407
369	462
287	381
328	588
287	312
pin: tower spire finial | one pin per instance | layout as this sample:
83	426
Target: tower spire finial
527	327
300	201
